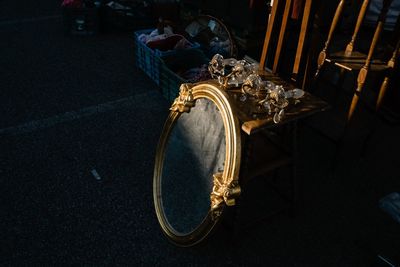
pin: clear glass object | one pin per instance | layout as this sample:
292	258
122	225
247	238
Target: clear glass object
230	72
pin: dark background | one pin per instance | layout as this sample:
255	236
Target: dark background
71	104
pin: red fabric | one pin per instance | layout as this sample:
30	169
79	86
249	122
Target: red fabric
72	3
165	44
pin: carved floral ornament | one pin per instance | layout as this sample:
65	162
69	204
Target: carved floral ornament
223	192
185	101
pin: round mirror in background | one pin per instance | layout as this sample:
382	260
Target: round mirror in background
197	164
213	36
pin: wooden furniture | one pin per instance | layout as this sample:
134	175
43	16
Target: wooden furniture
282	30
269	148
350	59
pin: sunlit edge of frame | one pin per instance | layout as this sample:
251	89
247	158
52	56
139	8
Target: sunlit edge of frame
213	91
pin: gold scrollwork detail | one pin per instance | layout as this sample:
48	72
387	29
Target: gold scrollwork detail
185	101
223	192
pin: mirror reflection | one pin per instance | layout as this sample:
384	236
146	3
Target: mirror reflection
194	152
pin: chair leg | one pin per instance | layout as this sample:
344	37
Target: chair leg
362	75
322	54
361	14
382	92
391	64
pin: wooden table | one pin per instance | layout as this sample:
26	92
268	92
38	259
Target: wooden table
269	146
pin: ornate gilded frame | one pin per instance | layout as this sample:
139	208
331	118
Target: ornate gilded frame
226	186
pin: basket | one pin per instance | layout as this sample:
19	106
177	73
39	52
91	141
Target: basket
149	60
213	36
170	81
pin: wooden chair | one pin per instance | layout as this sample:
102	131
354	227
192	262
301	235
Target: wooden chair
283	27
272	151
351	60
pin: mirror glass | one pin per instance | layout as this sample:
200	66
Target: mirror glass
194	151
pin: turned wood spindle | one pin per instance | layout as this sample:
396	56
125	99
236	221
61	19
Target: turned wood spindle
361	14
322	54
391	64
362	75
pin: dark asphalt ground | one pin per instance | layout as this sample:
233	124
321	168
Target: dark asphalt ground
70	105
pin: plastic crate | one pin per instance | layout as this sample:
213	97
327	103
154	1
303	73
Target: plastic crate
146	59
170	83
149	60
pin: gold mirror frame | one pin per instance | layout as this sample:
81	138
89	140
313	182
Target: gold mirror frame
226	186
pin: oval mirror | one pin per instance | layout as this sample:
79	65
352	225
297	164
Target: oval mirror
197	164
